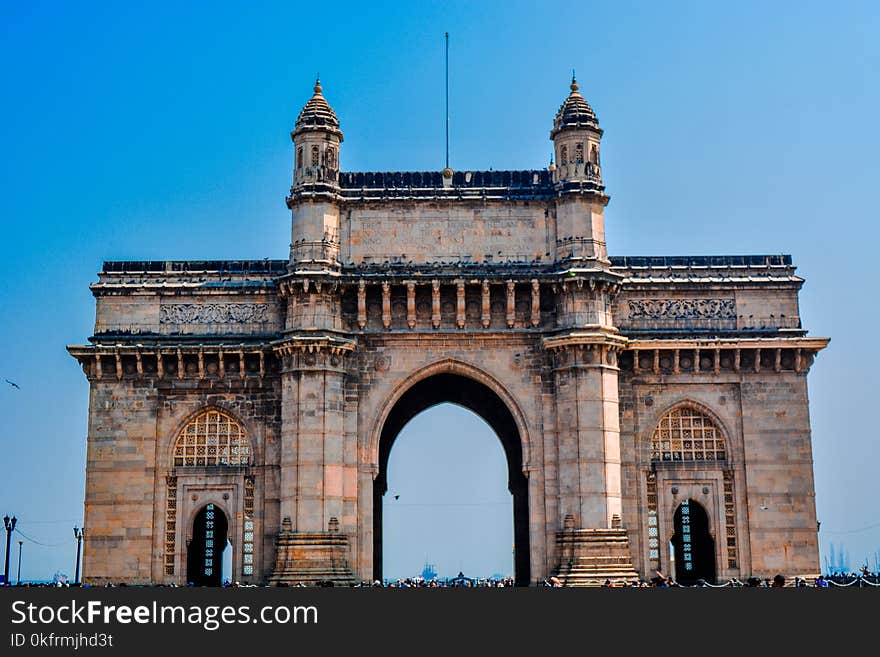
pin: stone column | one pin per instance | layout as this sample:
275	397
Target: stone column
588	427
591	543
312	546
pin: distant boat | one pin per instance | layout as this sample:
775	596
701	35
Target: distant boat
429	573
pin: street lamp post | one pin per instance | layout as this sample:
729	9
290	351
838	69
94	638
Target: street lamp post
78	534
20	543
9	523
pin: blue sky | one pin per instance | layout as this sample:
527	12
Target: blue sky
160	131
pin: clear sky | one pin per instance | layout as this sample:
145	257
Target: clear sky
160	131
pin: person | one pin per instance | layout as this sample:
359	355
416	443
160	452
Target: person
778	581
821	582
555	582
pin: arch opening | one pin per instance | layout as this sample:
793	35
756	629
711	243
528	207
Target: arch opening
692	544
480	399
204	553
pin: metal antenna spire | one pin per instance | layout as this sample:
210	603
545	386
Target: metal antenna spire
447	99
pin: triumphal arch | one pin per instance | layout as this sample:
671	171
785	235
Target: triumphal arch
653	410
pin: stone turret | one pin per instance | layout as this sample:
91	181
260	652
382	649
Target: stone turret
578	179
315	213
576	135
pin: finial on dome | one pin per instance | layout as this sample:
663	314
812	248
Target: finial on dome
317	115
575	112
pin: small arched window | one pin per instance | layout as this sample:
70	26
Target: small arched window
331	158
563	155
687	434
212	438
579	153
594	154
316	156
299	158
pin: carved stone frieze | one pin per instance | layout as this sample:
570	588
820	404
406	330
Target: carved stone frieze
214	313
682	309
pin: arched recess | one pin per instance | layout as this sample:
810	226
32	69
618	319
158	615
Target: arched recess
225	429
204	551
712	427
693	544
691	448
211	449
457	387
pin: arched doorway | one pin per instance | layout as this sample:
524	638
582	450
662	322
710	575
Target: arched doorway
204	556
693	545
477	397
447	503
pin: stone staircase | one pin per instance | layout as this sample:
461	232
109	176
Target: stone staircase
589	557
312	558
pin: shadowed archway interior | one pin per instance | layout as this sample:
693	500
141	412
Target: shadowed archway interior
204	555
693	544
466	392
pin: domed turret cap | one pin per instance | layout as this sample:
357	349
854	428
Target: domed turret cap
317	115
575	112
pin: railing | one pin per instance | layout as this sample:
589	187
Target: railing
702	261
314	251
195	266
463	260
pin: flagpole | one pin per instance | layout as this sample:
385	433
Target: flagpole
447	100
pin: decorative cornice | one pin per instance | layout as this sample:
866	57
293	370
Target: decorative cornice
173	361
596	336
807	344
317	343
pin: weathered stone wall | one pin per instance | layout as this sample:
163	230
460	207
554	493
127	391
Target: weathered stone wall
120	482
189	314
779	486
133	424
428	232
764	417
690	307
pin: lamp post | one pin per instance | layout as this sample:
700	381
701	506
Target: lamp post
20	543
78	535
9	523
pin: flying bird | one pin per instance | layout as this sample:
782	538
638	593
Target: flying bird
397	497
13	384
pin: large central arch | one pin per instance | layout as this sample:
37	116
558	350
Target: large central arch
457	387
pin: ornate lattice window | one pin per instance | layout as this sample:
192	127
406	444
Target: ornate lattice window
299	158
316	156
579	153
730	519
170	523
247	542
563	155
212	438
331	158
653	529
686	434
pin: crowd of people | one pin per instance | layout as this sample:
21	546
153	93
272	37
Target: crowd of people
454	582
864	578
